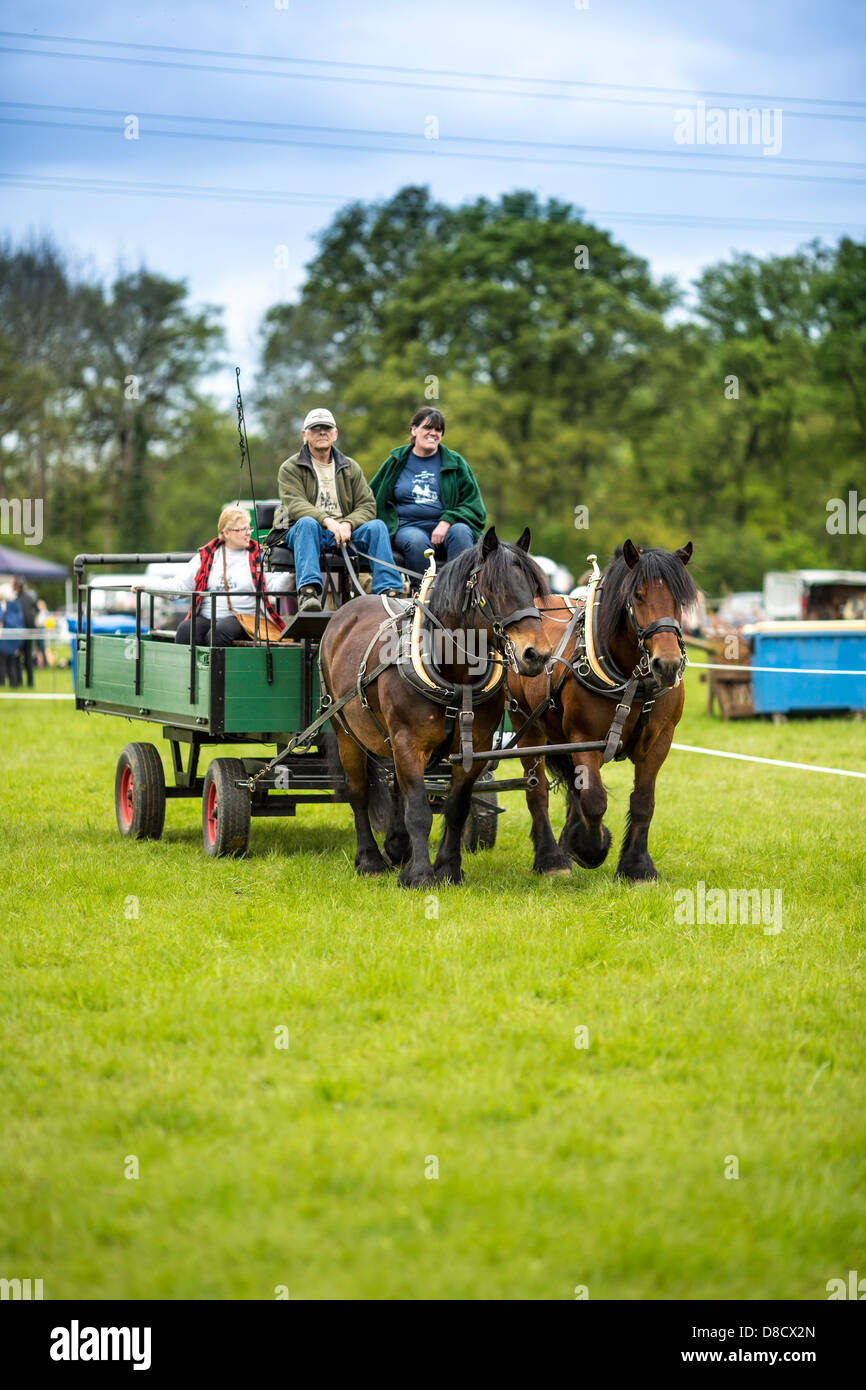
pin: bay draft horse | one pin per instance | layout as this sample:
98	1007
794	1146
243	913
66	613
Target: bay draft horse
470	592
637	589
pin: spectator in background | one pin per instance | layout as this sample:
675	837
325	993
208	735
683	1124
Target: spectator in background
28	601
41	622
11	617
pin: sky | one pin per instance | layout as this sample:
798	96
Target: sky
255	121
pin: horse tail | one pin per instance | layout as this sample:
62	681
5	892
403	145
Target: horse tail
561	766
330	747
379	805
378	783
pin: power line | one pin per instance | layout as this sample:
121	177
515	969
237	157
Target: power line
414	135
274	197
75	183
436	154
427	72
414	86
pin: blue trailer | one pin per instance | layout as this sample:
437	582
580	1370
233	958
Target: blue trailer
798	647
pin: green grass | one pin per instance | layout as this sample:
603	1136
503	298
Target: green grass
412	1035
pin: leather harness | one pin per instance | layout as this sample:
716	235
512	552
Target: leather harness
413	623
597	672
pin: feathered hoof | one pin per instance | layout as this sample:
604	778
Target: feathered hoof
370	866
425	878
643	871
589	856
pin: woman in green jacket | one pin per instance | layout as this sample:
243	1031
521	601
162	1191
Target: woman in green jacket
426	494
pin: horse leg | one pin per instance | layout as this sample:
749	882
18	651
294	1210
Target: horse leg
635	862
549	859
409	765
368	860
457	803
397	847
586	837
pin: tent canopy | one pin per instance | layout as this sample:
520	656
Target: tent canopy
22	565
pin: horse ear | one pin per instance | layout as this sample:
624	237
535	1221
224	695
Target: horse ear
630	554
490	543
522	542
685	552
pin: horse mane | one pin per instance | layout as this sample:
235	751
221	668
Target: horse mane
621	583
495	573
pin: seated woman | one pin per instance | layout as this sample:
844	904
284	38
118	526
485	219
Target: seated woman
427	495
228	565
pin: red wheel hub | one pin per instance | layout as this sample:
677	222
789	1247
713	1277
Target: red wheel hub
126	796
210	814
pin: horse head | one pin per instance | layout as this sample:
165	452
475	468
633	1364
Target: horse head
493	587
645	592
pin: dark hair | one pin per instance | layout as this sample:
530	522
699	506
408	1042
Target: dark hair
621	583
435	417
502	567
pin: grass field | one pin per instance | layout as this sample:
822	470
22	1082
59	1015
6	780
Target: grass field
142	987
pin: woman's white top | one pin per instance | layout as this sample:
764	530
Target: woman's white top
238	577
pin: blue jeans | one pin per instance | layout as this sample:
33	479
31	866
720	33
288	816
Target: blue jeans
308	539
414	540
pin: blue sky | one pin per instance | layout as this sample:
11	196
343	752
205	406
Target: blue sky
56	177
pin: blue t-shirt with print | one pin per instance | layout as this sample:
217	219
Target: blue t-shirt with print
416	494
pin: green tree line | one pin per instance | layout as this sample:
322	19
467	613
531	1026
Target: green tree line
592	400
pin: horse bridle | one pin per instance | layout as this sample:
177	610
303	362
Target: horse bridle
660	625
475	599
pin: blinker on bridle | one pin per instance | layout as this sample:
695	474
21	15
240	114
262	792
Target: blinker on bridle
660	625
475	599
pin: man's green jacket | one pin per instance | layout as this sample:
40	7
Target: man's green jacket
298	487
460	494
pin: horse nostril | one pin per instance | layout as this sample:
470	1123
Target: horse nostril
664	670
534	658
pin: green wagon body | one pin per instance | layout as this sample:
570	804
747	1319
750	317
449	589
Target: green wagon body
244	694
225	695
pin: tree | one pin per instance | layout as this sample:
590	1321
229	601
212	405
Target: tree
532	329
147	351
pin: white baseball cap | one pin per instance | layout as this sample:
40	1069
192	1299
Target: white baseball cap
320	416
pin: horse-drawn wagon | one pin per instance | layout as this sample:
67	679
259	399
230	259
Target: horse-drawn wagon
250	693
398	731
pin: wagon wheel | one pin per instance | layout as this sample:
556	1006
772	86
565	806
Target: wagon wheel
139	792
225	809
479	832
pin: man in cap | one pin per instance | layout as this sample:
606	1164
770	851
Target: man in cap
325	501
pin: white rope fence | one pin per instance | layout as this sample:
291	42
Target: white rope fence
773	762
782	670
33	695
